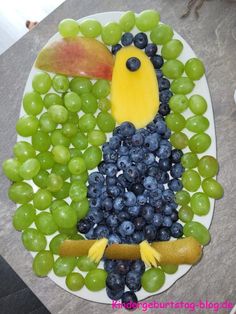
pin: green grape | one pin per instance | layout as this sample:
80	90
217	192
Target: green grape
41	179
57	203
208	166
197	124
77	165
52	99
69	129
75	152
178	103
212	188
63	192
23	151
70	232
153	279
191	180
29	168
161	34
95	279
182	197
200	204
58	138
92	157
23	217
61	170
147	20
80	85
169	269
189	160
127	21
86	264
42	199
41	141
33	240
64	216
175	122
20	192
104	104
105	122
96	137
101	89
74	281
197	104
185	213
81	208
54	182
56	242
46	123
11	168
27	126
173	69
60	83
179	140
68	28
78	191
45	223
63	266
198	231
72	101
46	160
91	28
172	49
41	82
199	143
111	33
80	141
32	103
89	103
76	237
182	85
43	263
83	177
61	154
58	113
87	122
194	68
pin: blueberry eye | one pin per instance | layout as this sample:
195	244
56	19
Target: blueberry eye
133	64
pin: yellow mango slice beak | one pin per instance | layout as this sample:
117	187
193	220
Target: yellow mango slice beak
134	95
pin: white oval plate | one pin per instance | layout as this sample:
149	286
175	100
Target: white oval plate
201	88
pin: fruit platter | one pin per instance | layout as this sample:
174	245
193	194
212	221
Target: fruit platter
114	168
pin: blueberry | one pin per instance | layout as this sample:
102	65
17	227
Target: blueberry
127	129
153	200
133	64
137	188
123	151
151	127
139	223
151	50
177	170
165	95
163	83
111	181
132	174
176	230
110	157
118	203
168	196
96	178
165	164
151	142
115	281
101	232
153	171
136	154
164	177
148	212
159	73
141	199
114	295
157	61
164	151
123	215
161	127
165	142
176	155
129	300
167	221
138	266
175	185
107	204
164	109
122	267
159	205
174	216
163	234
106	214
127	39
140	40
112	221
129	199
109	265
122	180
111	169
150	183
137	237
126	228
113	191
114	142
156	193
168	209
95	202
114	238
94	191
137	139
95	216
84	225
115	48
149	159
123	162
102	167
133	280
90	234
142	167
134	210
157	219
150	233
